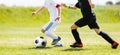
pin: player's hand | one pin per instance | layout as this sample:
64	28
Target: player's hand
57	18
92	5
33	13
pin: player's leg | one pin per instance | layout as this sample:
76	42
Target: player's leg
51	34
78	23
46	28
55	41
49	31
107	38
42	30
76	36
56	38
94	25
104	35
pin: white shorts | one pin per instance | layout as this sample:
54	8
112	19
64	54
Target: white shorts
51	25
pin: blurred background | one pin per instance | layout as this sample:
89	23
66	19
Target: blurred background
18	12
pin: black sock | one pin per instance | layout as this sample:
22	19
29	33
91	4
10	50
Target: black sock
76	36
106	37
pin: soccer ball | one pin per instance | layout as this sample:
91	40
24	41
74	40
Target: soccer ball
40	42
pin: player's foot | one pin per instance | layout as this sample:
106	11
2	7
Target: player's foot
58	45
76	45
115	45
55	41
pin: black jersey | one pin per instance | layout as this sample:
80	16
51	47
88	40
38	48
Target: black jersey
85	8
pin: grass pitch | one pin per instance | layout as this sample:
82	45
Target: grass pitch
20	41
18	29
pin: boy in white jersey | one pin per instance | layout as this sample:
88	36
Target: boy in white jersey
48	29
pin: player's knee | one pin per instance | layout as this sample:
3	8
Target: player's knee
42	30
47	33
97	31
73	27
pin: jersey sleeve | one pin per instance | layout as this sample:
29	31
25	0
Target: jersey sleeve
55	4
78	5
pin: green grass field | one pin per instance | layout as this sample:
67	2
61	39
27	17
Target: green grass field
20	41
18	29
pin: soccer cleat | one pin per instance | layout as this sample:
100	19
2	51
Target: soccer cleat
115	45
76	45
55	41
58	45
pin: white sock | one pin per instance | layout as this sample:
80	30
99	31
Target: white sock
59	43
51	34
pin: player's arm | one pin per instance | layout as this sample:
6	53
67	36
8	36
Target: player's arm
39	10
71	7
59	11
91	4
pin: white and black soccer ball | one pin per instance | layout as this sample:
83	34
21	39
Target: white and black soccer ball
40	42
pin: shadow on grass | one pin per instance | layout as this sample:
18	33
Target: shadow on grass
40	48
75	49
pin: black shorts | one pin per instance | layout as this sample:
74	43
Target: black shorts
91	22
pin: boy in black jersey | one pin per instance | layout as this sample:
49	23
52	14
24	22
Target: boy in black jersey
89	18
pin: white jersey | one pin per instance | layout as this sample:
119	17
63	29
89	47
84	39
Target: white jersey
51	5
